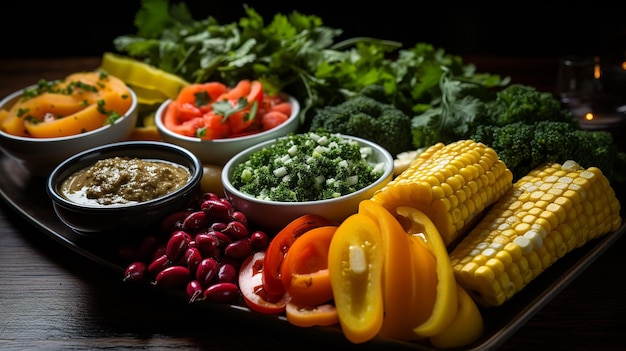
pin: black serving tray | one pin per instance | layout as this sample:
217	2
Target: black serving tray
26	194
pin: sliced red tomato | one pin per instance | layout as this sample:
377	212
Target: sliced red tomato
272	119
252	290
278	247
187	111
305	316
172	122
256	92
193	93
240	121
242	89
213	127
282	106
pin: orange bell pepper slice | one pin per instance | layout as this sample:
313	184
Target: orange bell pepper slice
304	271
305	316
399	274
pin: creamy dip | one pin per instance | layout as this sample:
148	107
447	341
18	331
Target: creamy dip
123	180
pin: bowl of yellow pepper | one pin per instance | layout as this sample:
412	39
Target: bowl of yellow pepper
46	123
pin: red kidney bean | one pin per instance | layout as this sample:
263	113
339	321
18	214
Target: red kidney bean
174	221
222	238
226	273
173	277
158	252
194	290
259	240
159	264
135	272
208	196
218	226
240	217
206	243
217	209
239	249
177	245
193	257
206	272
146	247
221	292
236	230
195	220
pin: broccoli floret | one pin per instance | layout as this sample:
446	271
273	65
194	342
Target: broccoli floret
523	103
597	148
552	142
363	116
376	92
511	142
525	146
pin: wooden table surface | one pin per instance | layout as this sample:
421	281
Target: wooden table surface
53	298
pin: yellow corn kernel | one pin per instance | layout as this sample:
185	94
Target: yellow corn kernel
548	213
452	184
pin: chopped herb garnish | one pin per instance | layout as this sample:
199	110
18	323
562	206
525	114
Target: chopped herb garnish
201	132
201	98
113	116
101	108
225	108
22	111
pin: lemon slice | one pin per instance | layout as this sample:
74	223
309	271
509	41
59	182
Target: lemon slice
143	76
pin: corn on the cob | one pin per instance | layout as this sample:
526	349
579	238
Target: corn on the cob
548	213
452	184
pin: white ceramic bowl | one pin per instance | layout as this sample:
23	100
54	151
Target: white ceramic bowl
219	151
274	215
123	219
41	155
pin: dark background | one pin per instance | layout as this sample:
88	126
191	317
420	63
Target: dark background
55	28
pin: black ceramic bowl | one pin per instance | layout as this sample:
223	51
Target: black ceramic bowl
140	216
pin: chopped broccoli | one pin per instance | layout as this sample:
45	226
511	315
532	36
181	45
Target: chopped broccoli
524	146
365	117
307	167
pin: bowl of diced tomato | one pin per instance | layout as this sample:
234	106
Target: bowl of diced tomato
216	121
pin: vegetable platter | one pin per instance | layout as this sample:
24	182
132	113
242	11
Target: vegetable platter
25	194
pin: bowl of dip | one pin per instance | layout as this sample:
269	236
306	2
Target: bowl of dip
279	180
44	124
123	187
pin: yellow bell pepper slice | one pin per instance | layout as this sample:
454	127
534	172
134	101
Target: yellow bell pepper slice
446	304
355	264
142	76
467	326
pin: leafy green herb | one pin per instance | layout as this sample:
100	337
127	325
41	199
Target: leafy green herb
226	109
292	53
